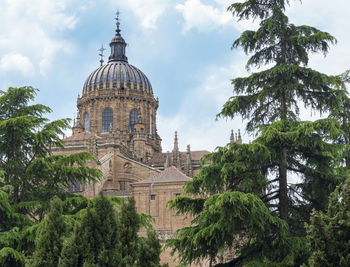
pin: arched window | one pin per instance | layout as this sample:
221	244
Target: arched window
107	120
150	125
133	118
87	122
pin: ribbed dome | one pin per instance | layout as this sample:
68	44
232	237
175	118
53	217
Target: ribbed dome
117	71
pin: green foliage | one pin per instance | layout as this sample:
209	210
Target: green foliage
49	239
96	238
9	233
232	220
31	175
343	116
329	232
236	167
26	139
270	99
24	134
129	227
149	250
310	157
9	257
50	175
242	199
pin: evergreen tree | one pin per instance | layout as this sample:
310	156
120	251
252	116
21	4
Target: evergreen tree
329	232
343	116
95	241
26	138
9	232
129	227
49	239
32	176
149	250
269	98
243	200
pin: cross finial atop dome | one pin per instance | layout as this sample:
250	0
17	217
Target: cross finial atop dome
117	23
101	50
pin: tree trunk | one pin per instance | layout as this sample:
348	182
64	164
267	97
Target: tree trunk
283	191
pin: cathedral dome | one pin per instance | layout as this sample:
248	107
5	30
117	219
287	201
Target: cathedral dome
117	73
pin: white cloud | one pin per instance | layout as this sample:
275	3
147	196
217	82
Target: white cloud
148	11
16	62
203	17
329	16
31	27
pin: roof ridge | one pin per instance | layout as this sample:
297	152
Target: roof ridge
171	174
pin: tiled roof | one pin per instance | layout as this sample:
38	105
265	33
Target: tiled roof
169	175
158	159
79	136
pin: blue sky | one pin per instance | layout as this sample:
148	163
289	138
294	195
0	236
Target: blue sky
183	46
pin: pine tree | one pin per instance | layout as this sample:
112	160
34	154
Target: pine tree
242	198
129	227
95	241
49	239
329	232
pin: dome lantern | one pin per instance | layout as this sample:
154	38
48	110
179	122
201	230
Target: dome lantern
117	45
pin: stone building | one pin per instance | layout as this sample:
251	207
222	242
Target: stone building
117	123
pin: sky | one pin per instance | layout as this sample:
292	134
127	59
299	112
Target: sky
183	47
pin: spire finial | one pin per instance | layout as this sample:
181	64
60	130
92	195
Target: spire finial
117	23
239	139
176	144
101	50
188	165
176	161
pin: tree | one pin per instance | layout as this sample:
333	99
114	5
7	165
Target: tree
229	214
26	139
272	96
9	233
343	115
32	176
329	232
49	240
129	227
149	250
96	238
242	200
